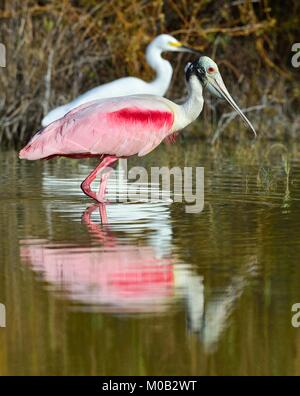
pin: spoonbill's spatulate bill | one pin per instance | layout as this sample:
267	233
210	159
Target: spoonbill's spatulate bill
121	127
131	85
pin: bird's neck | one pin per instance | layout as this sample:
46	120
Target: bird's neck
163	70
192	107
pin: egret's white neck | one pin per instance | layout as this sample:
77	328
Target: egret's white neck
163	70
192	107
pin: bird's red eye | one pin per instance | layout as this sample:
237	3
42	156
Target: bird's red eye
211	69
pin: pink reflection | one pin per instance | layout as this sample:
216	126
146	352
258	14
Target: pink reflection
120	278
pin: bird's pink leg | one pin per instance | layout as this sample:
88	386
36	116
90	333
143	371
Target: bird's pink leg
86	184
103	215
102	187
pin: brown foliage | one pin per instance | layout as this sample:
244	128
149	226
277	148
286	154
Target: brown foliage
59	49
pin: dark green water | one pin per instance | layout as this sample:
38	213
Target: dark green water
156	290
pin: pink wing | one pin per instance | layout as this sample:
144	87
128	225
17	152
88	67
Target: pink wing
119	126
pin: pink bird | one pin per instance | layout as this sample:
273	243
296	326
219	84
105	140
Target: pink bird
121	127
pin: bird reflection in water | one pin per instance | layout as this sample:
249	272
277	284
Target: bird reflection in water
114	276
133	278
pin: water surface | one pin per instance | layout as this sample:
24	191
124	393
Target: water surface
145	288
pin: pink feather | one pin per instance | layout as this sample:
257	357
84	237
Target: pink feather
120	126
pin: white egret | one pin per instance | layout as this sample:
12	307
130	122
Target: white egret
131	85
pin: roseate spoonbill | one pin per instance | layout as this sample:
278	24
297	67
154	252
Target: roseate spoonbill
131	85
121	127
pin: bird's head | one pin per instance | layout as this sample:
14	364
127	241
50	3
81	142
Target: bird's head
207	72
165	42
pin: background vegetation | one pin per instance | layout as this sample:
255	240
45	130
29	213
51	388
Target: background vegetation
58	49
